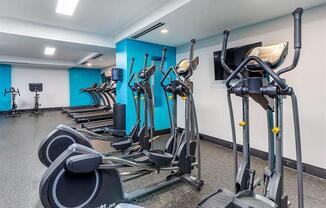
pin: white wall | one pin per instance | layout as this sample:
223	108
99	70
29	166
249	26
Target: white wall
55	86
308	80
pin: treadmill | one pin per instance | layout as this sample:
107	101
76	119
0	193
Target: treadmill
102	99
88	90
105	112
99	126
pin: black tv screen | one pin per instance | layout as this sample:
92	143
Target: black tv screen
234	56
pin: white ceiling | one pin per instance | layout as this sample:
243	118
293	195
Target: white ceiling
13	45
106	17
204	18
28	26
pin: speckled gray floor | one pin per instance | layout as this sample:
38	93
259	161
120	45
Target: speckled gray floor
20	170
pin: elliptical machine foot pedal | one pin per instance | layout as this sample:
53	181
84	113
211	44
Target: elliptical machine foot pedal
221	198
122	145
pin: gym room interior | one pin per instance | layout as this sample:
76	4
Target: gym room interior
162	104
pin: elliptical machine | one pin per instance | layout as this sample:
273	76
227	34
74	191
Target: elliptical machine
101	181
254	74
36	87
64	136
13	111
138	139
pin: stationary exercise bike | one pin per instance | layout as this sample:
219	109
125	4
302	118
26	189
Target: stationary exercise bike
13	111
253	76
36	87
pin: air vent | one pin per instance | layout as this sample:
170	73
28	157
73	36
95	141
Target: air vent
148	30
97	56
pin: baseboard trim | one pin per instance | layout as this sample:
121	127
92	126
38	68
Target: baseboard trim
31	110
307	168
161	132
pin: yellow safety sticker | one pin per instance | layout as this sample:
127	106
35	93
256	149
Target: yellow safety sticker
184	98
242	123
275	130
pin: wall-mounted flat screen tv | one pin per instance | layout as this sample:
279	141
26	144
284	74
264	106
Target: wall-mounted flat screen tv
234	56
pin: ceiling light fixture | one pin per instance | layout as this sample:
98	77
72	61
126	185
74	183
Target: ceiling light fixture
88	64
164	31
49	51
66	7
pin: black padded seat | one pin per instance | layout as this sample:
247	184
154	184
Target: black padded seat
122	144
160	160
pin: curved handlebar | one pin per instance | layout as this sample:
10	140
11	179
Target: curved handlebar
12	91
163	59
226	34
264	66
191	57
145	61
297	15
165	77
145	65
131	65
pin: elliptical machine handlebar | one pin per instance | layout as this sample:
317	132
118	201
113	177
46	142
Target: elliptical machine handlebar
140	74
132	74
276	76
191	57
132	65
11	90
163	59
297	15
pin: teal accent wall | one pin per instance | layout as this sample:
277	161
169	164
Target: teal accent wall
125	50
82	78
5	83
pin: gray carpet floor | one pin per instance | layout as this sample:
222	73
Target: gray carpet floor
20	170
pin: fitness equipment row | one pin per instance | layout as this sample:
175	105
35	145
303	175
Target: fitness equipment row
99	115
33	87
101	174
80	176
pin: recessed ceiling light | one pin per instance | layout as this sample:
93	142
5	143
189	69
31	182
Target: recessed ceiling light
100	59
66	7
164	31
88	64
49	51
